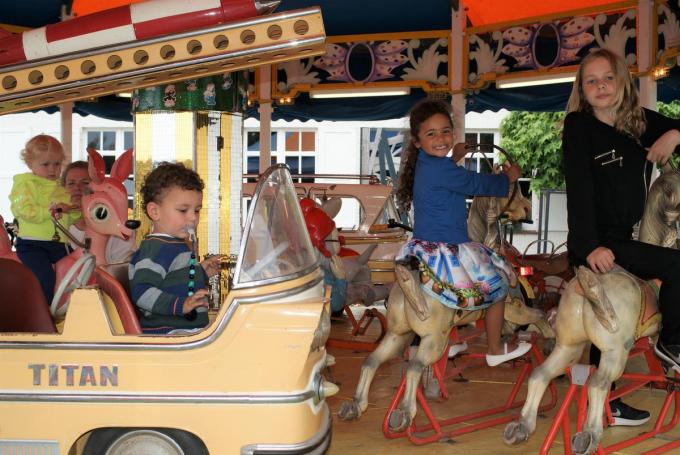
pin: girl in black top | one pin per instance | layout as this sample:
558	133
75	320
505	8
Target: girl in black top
610	144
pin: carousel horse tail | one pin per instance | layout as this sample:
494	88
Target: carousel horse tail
410	286
594	293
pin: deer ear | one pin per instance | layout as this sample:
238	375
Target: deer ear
122	167
96	166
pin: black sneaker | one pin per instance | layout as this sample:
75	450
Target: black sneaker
628	416
669	353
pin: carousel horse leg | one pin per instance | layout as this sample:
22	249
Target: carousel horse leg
390	347
556	363
612	364
430	350
398	336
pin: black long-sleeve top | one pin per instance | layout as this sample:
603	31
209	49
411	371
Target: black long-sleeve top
607	177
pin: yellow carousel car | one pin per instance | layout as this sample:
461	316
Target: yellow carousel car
251	382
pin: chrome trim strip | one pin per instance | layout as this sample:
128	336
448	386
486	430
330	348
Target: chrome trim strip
157	398
29	447
317	444
142	345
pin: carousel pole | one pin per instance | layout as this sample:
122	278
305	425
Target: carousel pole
265	110
456	64
646	58
66	114
646	53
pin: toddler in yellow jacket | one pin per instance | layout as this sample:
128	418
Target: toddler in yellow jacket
34	196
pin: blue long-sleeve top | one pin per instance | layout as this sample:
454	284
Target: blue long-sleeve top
439	192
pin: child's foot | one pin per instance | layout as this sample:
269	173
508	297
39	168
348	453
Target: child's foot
496	359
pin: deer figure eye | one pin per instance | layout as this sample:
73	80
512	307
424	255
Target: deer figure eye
100	212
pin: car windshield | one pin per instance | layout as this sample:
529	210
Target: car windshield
275	242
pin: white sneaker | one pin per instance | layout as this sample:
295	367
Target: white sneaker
457	348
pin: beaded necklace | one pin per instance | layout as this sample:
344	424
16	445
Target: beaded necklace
192	262
191	285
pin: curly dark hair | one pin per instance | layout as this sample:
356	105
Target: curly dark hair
419	113
165	176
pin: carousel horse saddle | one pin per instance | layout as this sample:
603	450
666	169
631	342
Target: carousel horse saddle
649	318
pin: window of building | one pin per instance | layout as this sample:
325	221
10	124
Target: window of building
476	161
111	143
293	147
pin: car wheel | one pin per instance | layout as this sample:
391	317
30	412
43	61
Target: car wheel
151	441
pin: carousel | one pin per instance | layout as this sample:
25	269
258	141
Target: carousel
308	314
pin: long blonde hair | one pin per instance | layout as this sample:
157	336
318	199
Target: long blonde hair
627	113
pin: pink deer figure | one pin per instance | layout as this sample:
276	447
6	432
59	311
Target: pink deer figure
104	208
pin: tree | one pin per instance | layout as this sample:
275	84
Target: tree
534	140
671	109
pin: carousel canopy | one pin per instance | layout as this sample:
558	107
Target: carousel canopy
408	18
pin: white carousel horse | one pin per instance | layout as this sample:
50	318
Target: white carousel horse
612	311
104	209
409	312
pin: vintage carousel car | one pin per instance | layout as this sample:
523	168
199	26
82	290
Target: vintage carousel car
250	382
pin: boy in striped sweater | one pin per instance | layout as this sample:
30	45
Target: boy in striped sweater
167	284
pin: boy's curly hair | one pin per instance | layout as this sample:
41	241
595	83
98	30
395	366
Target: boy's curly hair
165	176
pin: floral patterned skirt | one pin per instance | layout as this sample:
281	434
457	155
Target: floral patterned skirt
467	276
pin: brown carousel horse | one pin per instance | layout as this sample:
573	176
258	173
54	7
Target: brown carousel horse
409	312
612	311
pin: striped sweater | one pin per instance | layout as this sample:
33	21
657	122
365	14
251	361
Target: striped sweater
159	284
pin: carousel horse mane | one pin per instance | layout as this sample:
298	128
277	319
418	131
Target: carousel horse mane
661	211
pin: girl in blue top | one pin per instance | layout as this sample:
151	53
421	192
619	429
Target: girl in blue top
459	273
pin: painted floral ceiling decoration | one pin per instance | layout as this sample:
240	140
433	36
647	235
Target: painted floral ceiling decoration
419	61
550	44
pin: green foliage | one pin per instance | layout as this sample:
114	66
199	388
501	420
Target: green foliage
534	140
671	109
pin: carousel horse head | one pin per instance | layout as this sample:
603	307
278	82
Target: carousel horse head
661	210
486	210
611	310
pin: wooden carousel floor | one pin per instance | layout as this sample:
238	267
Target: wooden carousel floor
485	387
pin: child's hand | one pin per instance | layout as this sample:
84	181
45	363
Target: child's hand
211	265
459	151
199	299
512	171
57	209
